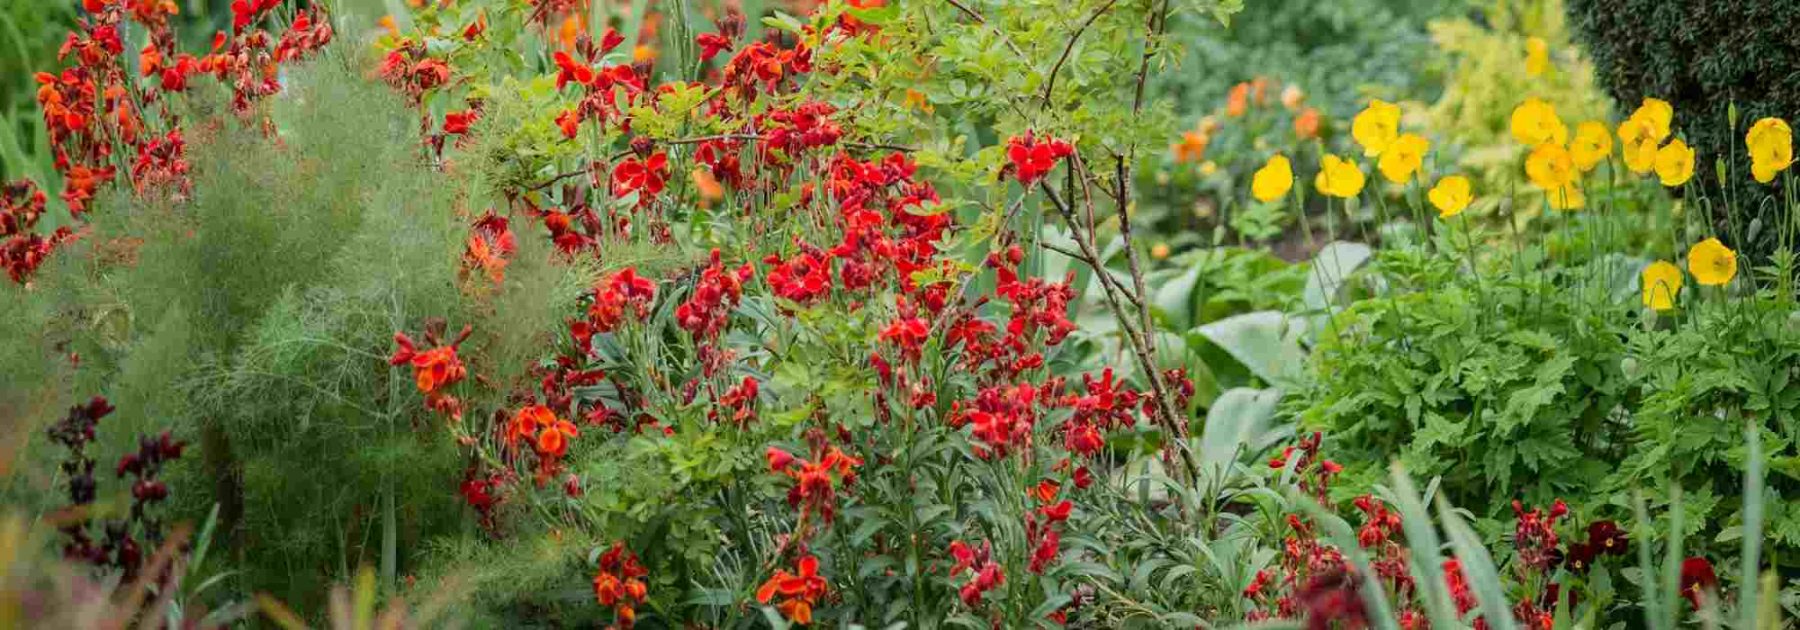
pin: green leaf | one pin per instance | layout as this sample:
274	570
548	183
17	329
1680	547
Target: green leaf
1479	567
1330	268
1265	342
1237	423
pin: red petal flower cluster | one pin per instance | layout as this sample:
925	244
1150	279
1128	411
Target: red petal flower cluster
800	591
620	583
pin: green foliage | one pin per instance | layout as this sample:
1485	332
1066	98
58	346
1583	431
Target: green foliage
1340	52
1551	384
1489	79
1704	58
254	318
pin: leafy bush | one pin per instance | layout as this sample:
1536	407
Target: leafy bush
852	319
1706	58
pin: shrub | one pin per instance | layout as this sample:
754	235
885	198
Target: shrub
1705	58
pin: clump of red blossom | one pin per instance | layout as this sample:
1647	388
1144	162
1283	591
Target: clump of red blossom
610	301
718	291
800	591
124	539
22	249
619	585
434	370
986	575
816	481
1030	157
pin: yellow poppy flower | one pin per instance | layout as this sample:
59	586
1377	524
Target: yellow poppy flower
1403	157
1657	115
1661	283
1451	195
1637	145
1771	145
1376	126
1711	262
1591	145
1338	177
1273	180
1537	56
1534	122
1552	169
1674	163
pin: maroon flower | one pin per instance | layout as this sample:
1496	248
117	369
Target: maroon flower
1606	538
1580	557
1330	601
1697	578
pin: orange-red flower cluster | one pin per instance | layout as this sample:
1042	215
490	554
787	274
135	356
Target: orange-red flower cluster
600	100
620	584
1041	525
490	244
434	370
815	487
547	434
988	574
1030	158
22	249
618	292
800	591
718	291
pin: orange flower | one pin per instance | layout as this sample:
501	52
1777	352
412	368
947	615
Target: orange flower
526	422
802	590
436	368
710	190
1238	101
572	28
433	369
1192	147
1306	125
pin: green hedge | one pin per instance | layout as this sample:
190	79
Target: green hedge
1702	56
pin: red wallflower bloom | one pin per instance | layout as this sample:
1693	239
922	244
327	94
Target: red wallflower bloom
458	122
619	584
801	591
711	44
1031	158
569	70
715	294
645	177
616	293
1605	537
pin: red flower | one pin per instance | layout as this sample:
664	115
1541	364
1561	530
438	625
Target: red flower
610	40
1032	158
643	177
1083	478
476	28
568	69
433	369
801	591
458	122
909	335
715	295
779	459
1698	580
569	122
1605	537
711	44
620	584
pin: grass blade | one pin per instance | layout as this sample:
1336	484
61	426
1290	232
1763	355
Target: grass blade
1475	561
1653	602
1753	516
1427	559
